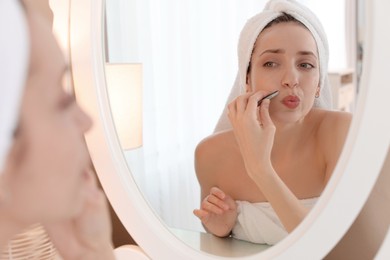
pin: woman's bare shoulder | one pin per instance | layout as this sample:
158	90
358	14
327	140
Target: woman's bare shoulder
333	128
213	150
333	123
212	145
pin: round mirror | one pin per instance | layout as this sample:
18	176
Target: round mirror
129	195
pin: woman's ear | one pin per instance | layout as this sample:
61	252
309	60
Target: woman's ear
247	88
248	84
318	92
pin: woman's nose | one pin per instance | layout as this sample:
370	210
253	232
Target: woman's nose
290	78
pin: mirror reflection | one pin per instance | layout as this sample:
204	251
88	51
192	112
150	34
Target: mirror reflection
185	52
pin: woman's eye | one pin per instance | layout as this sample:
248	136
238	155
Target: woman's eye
269	64
306	65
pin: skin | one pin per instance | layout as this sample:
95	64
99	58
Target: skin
47	177
274	153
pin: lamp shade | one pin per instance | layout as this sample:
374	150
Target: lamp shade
124	86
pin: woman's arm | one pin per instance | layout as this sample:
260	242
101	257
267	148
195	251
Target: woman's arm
286	205
218	211
255	133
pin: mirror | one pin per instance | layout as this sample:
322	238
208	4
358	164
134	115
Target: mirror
185	55
134	211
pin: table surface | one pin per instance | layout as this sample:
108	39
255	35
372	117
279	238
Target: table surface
208	243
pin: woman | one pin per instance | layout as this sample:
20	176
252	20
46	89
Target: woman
259	179
45	175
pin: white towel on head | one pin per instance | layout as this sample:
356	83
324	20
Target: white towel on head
248	36
13	69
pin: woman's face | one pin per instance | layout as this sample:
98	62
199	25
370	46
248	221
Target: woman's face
49	154
285	58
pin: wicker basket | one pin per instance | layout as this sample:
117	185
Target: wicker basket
34	243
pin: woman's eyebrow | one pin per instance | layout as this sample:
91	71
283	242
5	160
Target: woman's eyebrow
281	51
307	53
272	51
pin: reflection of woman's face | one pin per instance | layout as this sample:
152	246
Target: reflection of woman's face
49	177
285	59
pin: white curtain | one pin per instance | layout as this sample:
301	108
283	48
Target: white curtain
188	52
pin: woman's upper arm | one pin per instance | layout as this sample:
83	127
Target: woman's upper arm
205	165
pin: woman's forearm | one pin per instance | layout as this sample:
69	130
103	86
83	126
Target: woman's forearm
286	205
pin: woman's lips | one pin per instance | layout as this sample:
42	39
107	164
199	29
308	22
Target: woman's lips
291	101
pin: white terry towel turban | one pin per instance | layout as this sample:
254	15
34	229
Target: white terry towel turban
14	44
248	36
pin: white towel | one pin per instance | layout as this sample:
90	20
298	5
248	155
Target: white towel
247	39
13	68
258	222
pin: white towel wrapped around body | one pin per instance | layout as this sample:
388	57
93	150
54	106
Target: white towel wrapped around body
253	28
258	222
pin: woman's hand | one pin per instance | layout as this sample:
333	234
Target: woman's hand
87	236
253	129
218	212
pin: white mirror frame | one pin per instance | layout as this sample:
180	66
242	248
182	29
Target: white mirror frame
343	198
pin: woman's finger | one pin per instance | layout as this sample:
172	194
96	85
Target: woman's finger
217	192
254	99
211	207
242	102
264	113
217	202
201	213
253	104
238	105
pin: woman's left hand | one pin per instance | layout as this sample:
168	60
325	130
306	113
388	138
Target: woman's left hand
253	129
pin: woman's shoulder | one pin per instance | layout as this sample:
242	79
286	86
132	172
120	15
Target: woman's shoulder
214	150
333	128
213	144
332	123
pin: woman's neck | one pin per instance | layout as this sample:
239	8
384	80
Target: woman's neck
289	135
